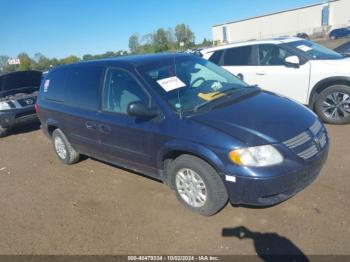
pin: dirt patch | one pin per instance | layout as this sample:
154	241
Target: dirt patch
94	208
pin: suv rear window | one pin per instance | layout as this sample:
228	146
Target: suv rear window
238	56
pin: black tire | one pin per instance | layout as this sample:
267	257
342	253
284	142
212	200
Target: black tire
71	155
215	189
3	131
327	116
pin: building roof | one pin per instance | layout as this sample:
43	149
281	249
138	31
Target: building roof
275	13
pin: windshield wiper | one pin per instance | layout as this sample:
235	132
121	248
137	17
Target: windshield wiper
226	92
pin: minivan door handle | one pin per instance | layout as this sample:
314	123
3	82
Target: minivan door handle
261	73
90	125
105	129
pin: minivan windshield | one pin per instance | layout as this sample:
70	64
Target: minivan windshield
315	51
186	83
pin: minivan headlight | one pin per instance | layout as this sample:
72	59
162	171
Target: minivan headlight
4	106
258	156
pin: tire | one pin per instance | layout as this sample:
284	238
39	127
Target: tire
215	191
333	105
3	131
64	150
333	37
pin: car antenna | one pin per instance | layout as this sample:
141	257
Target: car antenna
178	92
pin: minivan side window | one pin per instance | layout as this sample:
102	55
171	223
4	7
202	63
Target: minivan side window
83	85
272	55
238	56
120	89
54	85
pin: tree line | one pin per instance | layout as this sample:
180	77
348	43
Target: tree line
42	63
162	40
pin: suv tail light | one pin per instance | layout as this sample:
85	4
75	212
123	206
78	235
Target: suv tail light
36	108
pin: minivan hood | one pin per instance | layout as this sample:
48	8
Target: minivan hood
260	119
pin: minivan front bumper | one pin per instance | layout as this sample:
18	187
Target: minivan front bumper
273	190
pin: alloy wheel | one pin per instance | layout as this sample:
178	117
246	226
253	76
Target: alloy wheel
191	187
60	148
336	106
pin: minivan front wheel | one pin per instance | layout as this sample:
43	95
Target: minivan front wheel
197	185
333	105
64	150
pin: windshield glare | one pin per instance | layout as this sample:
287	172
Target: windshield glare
189	82
315	51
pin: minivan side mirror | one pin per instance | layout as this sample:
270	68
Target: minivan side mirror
292	61
139	109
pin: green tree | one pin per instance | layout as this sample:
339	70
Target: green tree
3	62
42	62
70	60
147	49
171	39
88	57
160	40
54	62
206	43
134	43
26	62
184	35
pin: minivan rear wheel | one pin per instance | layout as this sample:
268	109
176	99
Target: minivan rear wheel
333	105
197	185
64	150
3	131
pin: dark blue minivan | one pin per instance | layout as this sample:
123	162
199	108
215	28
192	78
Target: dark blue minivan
187	122
339	33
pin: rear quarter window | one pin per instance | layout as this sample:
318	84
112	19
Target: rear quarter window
238	56
53	87
82	87
216	57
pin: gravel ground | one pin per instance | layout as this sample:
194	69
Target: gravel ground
95	208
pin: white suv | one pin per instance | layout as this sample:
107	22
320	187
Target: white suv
299	69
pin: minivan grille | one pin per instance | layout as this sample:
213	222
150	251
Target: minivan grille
316	127
308	143
298	140
308	153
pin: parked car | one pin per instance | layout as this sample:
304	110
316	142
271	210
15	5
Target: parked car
299	69
339	33
187	122
18	92
303	35
344	49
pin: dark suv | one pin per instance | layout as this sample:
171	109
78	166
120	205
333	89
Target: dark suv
18	92
339	33
187	122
